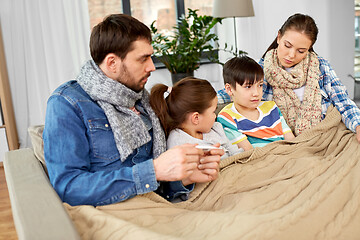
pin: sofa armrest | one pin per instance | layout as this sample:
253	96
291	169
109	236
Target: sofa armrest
37	210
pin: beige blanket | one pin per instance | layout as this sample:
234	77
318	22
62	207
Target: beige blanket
308	188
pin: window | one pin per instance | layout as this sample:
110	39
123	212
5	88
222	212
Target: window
165	12
98	9
205	6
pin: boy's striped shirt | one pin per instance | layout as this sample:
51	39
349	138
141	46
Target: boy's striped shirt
269	127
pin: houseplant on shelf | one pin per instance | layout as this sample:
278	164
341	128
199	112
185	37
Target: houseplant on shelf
182	51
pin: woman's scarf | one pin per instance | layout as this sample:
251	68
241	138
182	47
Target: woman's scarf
117	100
299	115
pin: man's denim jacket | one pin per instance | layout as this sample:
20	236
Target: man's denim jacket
83	162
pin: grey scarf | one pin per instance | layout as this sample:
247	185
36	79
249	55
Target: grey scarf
116	100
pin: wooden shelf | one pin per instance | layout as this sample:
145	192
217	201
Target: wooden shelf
6	102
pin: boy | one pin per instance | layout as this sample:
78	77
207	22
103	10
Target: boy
248	121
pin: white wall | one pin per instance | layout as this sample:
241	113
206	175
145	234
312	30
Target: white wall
211	72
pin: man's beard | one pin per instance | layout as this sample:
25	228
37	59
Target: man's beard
129	81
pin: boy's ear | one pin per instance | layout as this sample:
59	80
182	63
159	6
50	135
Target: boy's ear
194	118
228	89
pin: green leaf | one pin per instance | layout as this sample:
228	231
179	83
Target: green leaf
181	51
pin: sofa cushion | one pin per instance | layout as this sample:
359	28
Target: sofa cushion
35	133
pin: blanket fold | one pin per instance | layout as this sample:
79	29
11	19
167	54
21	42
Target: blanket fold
307	188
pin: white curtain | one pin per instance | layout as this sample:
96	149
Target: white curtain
46	42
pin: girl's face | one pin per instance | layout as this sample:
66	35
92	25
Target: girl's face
293	47
246	97
207	118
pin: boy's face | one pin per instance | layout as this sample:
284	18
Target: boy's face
246	97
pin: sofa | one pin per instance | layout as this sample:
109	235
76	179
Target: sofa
31	193
307	188
37	210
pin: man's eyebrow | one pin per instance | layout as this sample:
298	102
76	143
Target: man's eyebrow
145	56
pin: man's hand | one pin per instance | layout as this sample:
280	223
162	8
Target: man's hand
208	169
358	133
177	163
188	164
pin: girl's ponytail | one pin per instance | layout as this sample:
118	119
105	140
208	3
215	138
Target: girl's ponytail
158	103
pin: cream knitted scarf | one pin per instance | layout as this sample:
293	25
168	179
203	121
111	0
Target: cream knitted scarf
299	115
117	100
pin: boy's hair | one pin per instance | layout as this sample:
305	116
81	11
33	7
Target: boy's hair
116	34
242	70
188	95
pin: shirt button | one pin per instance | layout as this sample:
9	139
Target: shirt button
106	125
147	185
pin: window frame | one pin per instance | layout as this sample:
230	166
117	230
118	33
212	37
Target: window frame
180	10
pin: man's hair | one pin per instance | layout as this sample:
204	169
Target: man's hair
242	70
116	34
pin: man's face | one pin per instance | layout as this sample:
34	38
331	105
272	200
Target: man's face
135	68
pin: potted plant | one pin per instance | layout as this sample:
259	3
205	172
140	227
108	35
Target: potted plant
182	51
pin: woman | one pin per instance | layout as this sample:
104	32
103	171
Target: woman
303	84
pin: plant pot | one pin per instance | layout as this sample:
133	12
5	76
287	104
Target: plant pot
175	77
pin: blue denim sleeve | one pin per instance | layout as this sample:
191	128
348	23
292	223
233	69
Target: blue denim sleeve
67	155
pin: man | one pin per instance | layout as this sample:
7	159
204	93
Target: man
102	141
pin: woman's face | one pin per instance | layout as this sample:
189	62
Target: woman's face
292	47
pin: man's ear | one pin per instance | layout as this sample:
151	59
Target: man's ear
228	89
194	117
110	63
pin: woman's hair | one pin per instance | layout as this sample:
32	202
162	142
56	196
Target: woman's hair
301	23
115	34
188	95
242	70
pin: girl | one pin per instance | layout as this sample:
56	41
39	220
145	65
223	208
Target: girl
187	114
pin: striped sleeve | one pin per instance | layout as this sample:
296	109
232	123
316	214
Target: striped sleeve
230	128
285	127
